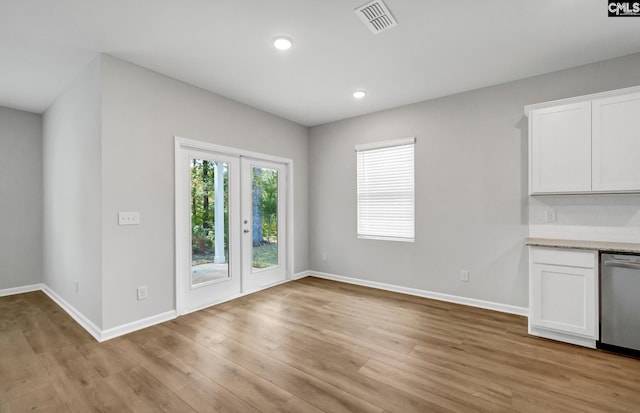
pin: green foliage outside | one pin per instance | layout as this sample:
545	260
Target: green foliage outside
203	207
265	256
203	214
265	252
268	209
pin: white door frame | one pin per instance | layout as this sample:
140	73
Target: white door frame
182	182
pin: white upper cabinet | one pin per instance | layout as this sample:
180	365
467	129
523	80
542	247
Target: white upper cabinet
560	149
585	144
616	143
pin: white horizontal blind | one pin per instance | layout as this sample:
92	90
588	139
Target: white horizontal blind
386	190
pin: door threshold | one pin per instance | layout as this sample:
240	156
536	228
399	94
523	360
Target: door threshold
235	296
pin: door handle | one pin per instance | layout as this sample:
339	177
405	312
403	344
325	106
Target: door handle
630	265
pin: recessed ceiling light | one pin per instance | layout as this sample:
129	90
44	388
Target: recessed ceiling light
282	42
359	94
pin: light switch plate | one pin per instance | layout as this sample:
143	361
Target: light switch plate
129	218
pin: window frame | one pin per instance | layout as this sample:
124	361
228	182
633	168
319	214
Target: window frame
361	150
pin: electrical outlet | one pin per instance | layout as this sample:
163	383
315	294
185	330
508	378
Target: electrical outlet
77	287
464	276
324	256
550	215
143	293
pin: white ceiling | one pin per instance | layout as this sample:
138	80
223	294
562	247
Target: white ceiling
224	46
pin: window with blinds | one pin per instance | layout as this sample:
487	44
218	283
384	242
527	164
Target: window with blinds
386	190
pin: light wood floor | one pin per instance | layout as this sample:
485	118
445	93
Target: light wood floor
306	346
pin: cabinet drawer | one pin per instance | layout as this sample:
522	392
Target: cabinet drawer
571	258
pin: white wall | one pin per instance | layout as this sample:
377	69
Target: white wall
472	208
602	217
72	195
142	112
20	198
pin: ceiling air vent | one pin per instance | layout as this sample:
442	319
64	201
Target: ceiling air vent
376	16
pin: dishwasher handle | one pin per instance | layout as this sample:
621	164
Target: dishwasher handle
623	264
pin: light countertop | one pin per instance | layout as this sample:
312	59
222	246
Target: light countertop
583	245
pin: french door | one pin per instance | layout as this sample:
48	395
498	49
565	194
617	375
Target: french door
264	223
231	236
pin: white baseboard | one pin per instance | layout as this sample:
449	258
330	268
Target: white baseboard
300	275
84	322
103	335
97	333
558	336
489	305
123	329
20	290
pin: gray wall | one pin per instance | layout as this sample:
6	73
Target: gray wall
72	195
471	186
20	198
142	112
605	217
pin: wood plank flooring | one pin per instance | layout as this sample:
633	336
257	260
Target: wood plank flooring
307	346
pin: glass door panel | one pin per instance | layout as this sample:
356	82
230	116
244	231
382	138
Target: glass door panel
264	215
209	222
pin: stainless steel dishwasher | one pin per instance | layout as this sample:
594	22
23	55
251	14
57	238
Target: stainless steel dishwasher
620	303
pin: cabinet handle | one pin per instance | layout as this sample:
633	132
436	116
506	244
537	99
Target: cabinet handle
630	265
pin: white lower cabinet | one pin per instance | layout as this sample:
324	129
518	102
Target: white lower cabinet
563	295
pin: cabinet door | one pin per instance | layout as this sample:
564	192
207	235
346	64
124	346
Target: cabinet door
564	299
616	143
560	149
